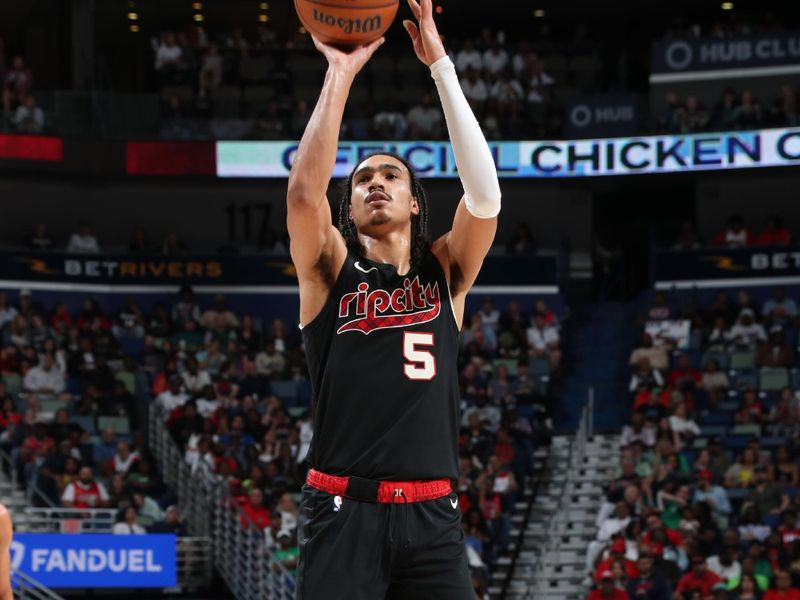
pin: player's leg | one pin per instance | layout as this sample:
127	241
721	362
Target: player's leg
342	548
431	561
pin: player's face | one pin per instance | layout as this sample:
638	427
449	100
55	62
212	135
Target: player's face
381	193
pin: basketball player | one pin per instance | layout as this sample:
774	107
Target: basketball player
5	554
380	309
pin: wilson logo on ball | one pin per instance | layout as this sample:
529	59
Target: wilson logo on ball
366	25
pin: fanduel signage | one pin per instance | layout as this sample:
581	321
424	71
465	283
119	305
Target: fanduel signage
96	560
602	115
774	54
532	159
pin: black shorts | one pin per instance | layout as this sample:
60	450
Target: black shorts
370	551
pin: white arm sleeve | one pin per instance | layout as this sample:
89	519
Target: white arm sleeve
473	158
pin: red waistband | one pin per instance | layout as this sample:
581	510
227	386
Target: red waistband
384	491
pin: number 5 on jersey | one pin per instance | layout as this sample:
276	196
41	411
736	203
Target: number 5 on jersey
421	364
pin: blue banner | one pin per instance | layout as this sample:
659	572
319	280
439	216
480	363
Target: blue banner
603	115
96	560
681	56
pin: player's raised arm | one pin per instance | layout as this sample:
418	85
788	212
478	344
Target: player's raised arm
311	230
5	554
475	222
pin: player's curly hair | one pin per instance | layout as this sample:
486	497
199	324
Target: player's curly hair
420	237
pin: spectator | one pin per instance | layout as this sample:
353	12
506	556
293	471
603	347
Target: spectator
287	553
606	589
270	362
129	322
725	565
255	510
124	459
495	58
783	590
749	114
777	353
85	492
195	379
128	523
655	355
746	332
715	496
169	57
715	382
659	310
544	342
210	75
475	90
522	58
218	313
17	84
684	428
750	411
724	115
766	495
390	122
270	124
779	309
172	523
684	377
44	380
173	245
735	236
691	117
468	58
539	83
7	313
785	471
741	473
645	377
648	584
186	309
752	526
774	234
784	110
424	120
687	238
83	242
29	118
698	579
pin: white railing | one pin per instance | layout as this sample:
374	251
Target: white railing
27	588
238	546
68	520
559	521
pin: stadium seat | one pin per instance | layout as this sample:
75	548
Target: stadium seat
747	429
538	367
286	390
743	359
304	393
723	360
87	422
120	425
714	418
13	383
773	379
509	363
128	379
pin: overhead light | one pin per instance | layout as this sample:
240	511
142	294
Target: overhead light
198	17
197	6
263	18
131	4
538	13
726	6
133	28
132	16
302	31
264	6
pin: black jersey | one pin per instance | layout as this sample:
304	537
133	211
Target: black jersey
382	356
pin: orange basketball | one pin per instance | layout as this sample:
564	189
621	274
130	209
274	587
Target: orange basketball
347	22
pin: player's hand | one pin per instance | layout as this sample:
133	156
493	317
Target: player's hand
425	37
349	62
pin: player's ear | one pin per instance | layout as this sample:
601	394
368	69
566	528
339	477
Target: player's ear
414	205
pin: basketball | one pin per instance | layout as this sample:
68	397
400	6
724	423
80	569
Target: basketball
347	22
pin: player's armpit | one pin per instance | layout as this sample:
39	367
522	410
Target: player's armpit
468	243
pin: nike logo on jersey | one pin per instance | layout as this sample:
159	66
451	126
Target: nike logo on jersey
362	269
454	503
